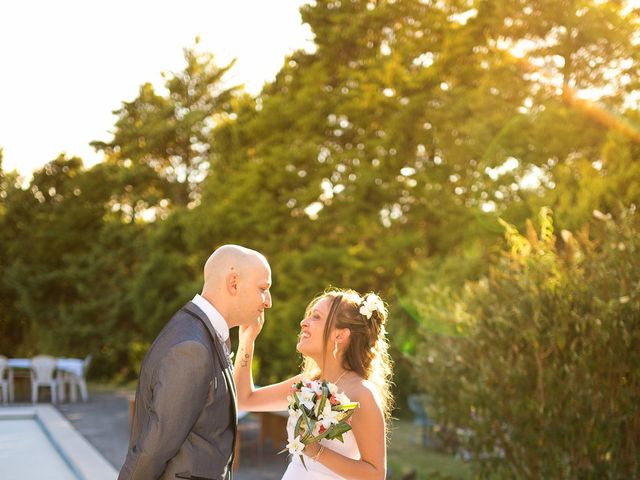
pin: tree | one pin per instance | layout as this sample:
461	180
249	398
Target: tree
169	134
67	262
393	143
39	234
578	62
12	323
543	378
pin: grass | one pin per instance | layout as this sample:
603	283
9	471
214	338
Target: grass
406	455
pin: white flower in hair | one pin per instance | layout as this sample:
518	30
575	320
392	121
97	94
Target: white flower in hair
370	305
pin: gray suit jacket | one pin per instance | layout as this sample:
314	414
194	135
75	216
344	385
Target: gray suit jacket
184	421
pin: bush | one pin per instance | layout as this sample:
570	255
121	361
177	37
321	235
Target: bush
544	379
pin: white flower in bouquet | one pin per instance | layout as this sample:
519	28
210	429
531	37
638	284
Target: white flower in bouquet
333	388
295	446
306	397
342	398
317	411
329	418
316	386
307	392
295	414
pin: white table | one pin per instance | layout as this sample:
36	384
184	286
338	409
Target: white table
69	365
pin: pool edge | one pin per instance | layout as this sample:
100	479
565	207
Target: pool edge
82	457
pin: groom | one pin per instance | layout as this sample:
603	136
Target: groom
184	421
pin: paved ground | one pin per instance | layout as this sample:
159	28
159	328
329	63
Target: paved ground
104	422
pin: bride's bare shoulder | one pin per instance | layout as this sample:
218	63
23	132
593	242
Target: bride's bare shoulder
363	391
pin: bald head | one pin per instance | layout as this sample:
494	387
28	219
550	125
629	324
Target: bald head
230	259
234	277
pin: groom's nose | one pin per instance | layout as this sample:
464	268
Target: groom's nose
267	303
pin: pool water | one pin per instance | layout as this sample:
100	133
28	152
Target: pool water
38	443
26	452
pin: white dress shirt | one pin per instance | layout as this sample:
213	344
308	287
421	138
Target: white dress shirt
217	320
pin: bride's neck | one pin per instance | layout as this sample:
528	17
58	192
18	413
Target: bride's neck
332	372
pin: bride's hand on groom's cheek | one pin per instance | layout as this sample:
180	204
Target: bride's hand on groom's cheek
250	332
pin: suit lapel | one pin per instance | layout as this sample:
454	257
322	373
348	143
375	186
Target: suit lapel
227	368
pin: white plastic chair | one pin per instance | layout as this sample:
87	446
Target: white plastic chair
4	383
42	375
64	379
75	380
82	379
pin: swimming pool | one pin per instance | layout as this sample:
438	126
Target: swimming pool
39	443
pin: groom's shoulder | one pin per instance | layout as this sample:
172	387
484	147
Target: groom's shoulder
186	325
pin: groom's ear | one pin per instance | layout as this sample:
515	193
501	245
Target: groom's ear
232	283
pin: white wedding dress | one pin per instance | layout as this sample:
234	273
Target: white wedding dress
317	471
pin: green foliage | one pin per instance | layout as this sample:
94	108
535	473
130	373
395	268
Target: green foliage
12	325
169	134
428	290
379	161
407	457
66	265
545	381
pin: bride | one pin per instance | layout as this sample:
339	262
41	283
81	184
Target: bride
342	339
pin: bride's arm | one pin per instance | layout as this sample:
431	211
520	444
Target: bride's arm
265	399
369	431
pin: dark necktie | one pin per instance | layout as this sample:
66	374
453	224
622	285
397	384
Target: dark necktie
227	347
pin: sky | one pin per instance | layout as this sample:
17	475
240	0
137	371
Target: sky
65	65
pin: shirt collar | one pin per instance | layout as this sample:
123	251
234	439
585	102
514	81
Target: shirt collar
217	320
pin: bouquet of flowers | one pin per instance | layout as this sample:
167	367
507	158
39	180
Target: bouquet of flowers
316	411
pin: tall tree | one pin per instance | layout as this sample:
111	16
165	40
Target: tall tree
580	64
399	136
168	133
12	323
67	262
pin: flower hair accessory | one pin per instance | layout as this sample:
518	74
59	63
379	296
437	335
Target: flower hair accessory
370	305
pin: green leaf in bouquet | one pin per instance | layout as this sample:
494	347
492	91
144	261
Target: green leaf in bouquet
310	424
303	409
348	415
322	435
348	406
296	429
323	399
296	400
336	431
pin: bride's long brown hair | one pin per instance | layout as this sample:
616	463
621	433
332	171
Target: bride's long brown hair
367	352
